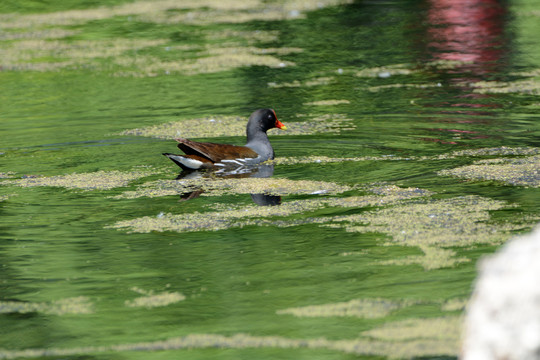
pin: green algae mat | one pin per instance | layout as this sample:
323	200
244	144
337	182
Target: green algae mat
411	152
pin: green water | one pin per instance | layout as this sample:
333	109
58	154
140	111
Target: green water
324	279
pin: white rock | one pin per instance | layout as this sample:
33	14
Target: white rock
503	316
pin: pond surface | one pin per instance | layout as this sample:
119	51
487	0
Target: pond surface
412	151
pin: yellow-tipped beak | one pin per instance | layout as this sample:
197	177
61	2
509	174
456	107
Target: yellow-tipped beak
280	125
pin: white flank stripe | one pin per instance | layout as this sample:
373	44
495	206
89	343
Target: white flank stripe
187	162
232	161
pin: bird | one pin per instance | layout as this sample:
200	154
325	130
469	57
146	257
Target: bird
206	155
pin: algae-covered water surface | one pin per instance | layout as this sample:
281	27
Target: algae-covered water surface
411	151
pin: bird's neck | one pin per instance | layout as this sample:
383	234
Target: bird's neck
256	134
257	140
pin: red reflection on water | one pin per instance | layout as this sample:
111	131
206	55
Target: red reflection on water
457	131
470	32
475	105
466	30
439	141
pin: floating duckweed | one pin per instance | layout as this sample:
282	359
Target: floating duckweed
100	180
416	86
225	218
209	60
150	300
222	59
395	192
433	258
385	195
221	186
213	221
271	186
326	159
527	86
328	102
22	55
447	222
75	305
455	304
325	80
307	83
448	64
221	126
498	151
437	344
386	71
251	37
354	253
152	189
430	224
327	123
218	126
34	39
38	34
209	221
518	172
80	16
529	73
250	11
495	151
165	11
368	200
444	328
6	175
403	69
362	308
253	50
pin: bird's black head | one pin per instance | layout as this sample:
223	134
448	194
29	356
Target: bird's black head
265	119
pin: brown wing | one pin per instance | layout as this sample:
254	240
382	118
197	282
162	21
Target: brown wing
215	152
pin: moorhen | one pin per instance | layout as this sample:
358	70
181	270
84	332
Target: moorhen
205	155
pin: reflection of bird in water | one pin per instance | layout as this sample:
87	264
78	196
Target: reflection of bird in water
254	171
205	155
